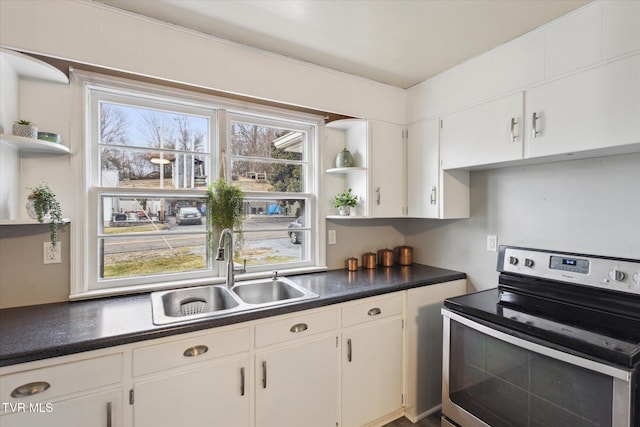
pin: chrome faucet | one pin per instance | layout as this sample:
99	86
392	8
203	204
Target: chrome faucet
220	257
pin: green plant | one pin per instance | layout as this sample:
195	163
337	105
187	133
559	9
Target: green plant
44	202
24	122
224	209
346	198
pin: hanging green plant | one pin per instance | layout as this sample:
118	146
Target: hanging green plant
46	206
225	209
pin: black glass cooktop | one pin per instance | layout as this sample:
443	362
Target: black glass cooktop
590	332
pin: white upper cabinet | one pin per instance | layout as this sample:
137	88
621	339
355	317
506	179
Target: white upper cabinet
432	192
376	177
423	169
485	134
387	160
574	42
620	28
595	109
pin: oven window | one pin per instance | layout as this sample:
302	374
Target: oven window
505	385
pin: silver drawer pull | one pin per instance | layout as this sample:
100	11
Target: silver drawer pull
109	414
30	389
299	327
196	350
374	311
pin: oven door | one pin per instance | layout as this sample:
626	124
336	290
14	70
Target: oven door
494	379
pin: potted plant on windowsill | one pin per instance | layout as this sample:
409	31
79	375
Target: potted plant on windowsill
344	202
25	128
225	209
41	205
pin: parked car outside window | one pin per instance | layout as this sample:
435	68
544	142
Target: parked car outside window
189	216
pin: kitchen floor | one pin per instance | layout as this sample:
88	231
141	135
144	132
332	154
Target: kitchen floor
432	420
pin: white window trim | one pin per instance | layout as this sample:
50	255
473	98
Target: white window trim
81	237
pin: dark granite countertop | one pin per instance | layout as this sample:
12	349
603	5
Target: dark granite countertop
51	330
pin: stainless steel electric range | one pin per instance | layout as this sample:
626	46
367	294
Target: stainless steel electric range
557	343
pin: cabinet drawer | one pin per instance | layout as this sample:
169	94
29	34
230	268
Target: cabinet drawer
183	352
295	327
59	380
372	309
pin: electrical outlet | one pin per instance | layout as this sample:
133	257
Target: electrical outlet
51	255
492	243
331	237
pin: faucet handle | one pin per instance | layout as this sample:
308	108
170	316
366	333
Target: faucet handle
243	269
274	275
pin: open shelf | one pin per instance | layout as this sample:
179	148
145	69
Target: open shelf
32	68
30	145
347	217
346	170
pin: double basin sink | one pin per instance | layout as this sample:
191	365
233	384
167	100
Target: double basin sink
213	300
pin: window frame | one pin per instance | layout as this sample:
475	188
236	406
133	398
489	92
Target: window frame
85	261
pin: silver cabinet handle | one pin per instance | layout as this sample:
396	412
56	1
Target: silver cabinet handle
513	129
349	350
109	414
378	196
534	125
242	381
299	327
30	389
196	350
432	200
374	311
264	374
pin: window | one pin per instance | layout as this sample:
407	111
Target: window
269	161
150	157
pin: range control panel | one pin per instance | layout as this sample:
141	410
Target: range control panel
588	270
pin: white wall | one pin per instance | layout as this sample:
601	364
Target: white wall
95	34
588	206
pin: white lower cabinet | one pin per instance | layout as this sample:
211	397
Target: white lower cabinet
423	346
372	352
296	370
70	392
340	365
201	380
95	409
296	385
215	394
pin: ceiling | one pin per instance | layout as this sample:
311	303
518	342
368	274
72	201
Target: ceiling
398	42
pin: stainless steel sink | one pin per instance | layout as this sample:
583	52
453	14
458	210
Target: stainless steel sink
214	300
191	303
268	291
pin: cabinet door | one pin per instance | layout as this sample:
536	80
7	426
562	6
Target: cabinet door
595	109
99	409
211	395
423	336
485	134
372	375
386	198
423	166
296	385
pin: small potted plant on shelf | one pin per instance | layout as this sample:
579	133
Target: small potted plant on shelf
344	202
225	209
42	204
25	128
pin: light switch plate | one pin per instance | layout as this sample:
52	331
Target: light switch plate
492	243
331	237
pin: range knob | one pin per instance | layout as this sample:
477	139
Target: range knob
636	278
513	260
528	262
617	275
